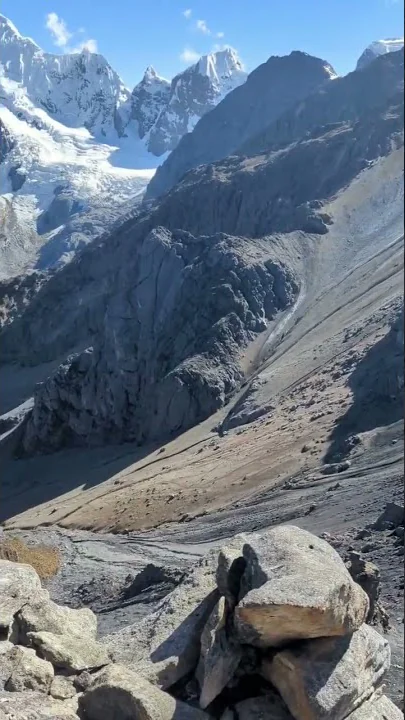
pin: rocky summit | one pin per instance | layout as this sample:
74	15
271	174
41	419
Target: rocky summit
251	632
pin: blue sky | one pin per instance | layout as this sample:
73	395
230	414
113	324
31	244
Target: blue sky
168	33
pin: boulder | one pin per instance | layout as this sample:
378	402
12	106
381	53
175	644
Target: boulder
119	693
393	516
266	707
19	584
295	586
49	617
368	576
69	652
62	688
378	707
165	645
220	654
328	678
28	672
34	706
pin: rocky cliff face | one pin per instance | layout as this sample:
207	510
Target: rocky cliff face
270	89
166	354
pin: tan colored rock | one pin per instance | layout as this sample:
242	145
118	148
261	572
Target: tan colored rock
49	617
378	707
69	651
267	707
19	584
34	706
165	645
119	693
295	586
220	655
328	678
62	688
29	672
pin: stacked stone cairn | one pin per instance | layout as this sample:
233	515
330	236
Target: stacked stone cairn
270	627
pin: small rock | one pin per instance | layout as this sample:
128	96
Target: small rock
62	688
363	534
393	514
369	547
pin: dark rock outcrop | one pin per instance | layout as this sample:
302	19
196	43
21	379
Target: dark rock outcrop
269	90
165	355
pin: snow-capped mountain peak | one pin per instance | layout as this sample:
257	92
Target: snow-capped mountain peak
221	64
379	47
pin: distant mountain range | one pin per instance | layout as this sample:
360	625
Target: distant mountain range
78	148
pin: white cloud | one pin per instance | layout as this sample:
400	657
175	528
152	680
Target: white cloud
189	56
202	26
90	45
57	28
187	13
61	35
220	35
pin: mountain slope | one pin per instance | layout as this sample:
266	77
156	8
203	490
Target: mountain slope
269	90
148	311
377	48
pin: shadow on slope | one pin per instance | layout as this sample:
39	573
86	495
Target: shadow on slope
377	384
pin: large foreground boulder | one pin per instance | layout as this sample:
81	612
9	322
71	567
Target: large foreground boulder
119	694
329	678
165	645
291	586
19	584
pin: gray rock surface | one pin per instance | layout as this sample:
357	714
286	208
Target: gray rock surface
19	584
282	189
269	90
62	688
69	652
50	617
368	576
295	586
34	706
378	707
120	693
220	654
178	312
165	646
329	678
29	672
